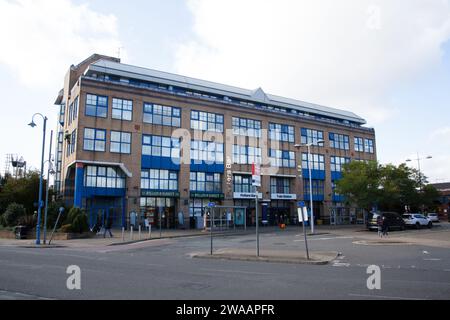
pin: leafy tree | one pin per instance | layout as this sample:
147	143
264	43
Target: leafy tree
78	220
14	214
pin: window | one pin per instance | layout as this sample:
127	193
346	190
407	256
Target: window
280	185
282	158
339	141
368	146
120	142
205	182
246	155
318	188
281	132
94	139
159	146
317	161
96	106
312	136
246	127
73	111
122	109
206	151
242	184
104	177
72	143
337	163
359	144
162	115
206	121
154	179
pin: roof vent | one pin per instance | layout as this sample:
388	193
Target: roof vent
259	94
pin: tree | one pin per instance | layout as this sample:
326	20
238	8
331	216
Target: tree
14	215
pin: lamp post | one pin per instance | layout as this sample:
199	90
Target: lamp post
418	166
38	225
308	145
49	172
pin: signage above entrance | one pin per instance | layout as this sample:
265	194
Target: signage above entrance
160	194
245	195
201	195
283	196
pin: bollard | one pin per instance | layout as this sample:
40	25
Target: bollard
149	231
131	233
139	232
123	234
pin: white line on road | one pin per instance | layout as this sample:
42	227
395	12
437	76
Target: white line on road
321	239
383	297
432	259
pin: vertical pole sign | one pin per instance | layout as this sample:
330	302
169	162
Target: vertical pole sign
303	217
256	182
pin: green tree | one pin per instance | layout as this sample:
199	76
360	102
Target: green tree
77	219
14	215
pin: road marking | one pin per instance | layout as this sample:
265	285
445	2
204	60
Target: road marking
341	264
321	239
432	259
425	252
383	297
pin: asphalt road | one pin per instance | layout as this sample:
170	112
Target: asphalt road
163	269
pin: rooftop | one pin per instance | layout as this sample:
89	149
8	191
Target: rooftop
108	67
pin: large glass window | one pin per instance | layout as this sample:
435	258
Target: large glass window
318	187
96	106
122	109
206	121
359	144
368	146
339	141
207	151
281	132
155	179
242	184
159	146
312	136
246	155
317	161
280	185
337	163
162	115
282	158
246	127
205	182
104	177
94	139
120	142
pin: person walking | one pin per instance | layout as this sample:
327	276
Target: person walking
108	225
380	226
385	227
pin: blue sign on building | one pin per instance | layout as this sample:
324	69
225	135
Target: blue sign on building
301	204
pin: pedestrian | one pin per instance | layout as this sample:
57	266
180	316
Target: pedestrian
108	225
380	226
385	227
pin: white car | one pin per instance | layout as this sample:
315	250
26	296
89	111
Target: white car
433	217
416	220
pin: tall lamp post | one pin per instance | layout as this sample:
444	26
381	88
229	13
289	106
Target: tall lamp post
38	225
311	204
418	166
50	171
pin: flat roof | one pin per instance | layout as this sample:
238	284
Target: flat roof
258	95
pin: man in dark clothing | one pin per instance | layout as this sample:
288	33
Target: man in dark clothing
108	225
385	227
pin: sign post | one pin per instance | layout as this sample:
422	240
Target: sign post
302	217
211	205
256	181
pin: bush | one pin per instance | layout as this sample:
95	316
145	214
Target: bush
67	228
78	220
13	215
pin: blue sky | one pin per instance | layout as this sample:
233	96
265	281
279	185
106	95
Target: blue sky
387	61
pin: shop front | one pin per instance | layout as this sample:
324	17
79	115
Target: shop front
198	202
281	210
160	207
248	200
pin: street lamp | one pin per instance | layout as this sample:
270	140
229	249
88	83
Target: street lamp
38	225
50	171
298	146
418	166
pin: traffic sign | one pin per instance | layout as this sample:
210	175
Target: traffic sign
211	204
256	175
301	204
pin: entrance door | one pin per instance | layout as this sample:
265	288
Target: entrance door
239	217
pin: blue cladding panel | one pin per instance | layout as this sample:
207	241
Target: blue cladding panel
78	195
336	175
104	192
316	174
319	197
152	162
210	168
338	198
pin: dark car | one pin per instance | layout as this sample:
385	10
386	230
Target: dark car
393	219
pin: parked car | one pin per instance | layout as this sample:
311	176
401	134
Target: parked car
433	217
417	220
393	219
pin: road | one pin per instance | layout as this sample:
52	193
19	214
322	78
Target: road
164	269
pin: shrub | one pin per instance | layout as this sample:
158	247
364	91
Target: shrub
78	220
67	228
13	214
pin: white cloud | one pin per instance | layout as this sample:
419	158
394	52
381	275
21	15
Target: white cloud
339	53
41	38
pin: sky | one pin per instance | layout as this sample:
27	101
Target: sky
386	60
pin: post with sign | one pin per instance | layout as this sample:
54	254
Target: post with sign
211	206
303	217
256	181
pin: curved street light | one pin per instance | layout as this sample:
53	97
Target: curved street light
40	204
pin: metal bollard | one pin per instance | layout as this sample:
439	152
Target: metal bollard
139	232
123	234
131	233
149	231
